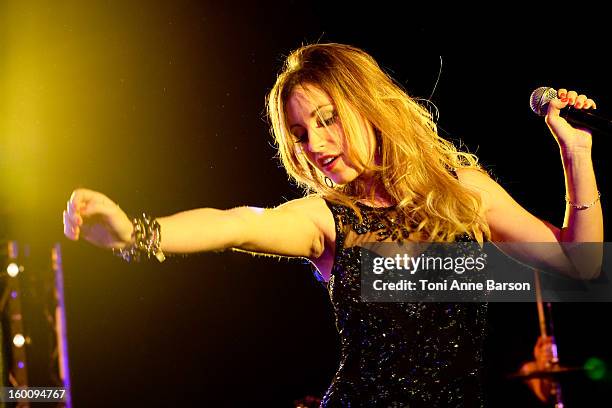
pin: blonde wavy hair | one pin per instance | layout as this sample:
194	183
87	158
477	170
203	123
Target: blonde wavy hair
416	164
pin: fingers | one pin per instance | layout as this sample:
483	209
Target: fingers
71	217
567	98
581	102
558	103
88	202
585	103
82	203
80	198
72	226
578	101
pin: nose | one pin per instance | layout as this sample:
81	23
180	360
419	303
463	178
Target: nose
317	140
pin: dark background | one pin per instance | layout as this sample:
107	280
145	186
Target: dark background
161	107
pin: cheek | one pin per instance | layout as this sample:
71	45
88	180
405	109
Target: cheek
303	153
339	136
346	175
309	157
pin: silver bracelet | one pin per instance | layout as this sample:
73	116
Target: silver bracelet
583	206
147	241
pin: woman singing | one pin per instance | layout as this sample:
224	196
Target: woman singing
374	169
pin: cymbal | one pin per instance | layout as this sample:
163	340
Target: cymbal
553	371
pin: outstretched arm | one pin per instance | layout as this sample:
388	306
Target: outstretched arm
292	229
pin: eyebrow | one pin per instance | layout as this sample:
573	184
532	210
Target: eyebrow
312	114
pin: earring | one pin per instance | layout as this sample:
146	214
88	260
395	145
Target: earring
378	141
328	182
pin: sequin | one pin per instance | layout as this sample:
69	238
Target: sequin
398	354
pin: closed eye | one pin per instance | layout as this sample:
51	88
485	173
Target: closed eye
327	121
321	122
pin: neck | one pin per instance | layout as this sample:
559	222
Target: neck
376	195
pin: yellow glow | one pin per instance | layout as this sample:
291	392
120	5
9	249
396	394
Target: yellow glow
22	140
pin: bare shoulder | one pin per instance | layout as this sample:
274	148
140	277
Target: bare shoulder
481	183
315	209
311	202
311	206
473	177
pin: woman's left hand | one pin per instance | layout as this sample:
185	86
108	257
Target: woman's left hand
568	137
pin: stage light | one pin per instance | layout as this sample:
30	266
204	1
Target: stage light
20	364
19	340
595	368
12	269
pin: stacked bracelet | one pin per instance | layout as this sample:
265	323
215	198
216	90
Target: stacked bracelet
147	241
583	206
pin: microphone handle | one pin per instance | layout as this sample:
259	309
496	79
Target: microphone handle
587	119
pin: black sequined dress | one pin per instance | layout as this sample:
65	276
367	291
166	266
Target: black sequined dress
398	354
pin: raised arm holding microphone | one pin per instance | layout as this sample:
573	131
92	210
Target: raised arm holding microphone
372	164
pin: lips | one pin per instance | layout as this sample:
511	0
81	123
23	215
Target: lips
327	162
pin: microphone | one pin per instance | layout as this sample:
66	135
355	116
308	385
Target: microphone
577	117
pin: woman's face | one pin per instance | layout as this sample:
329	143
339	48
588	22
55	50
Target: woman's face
316	129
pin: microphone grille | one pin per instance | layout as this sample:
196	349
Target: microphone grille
540	98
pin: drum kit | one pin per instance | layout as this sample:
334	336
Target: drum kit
553	371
